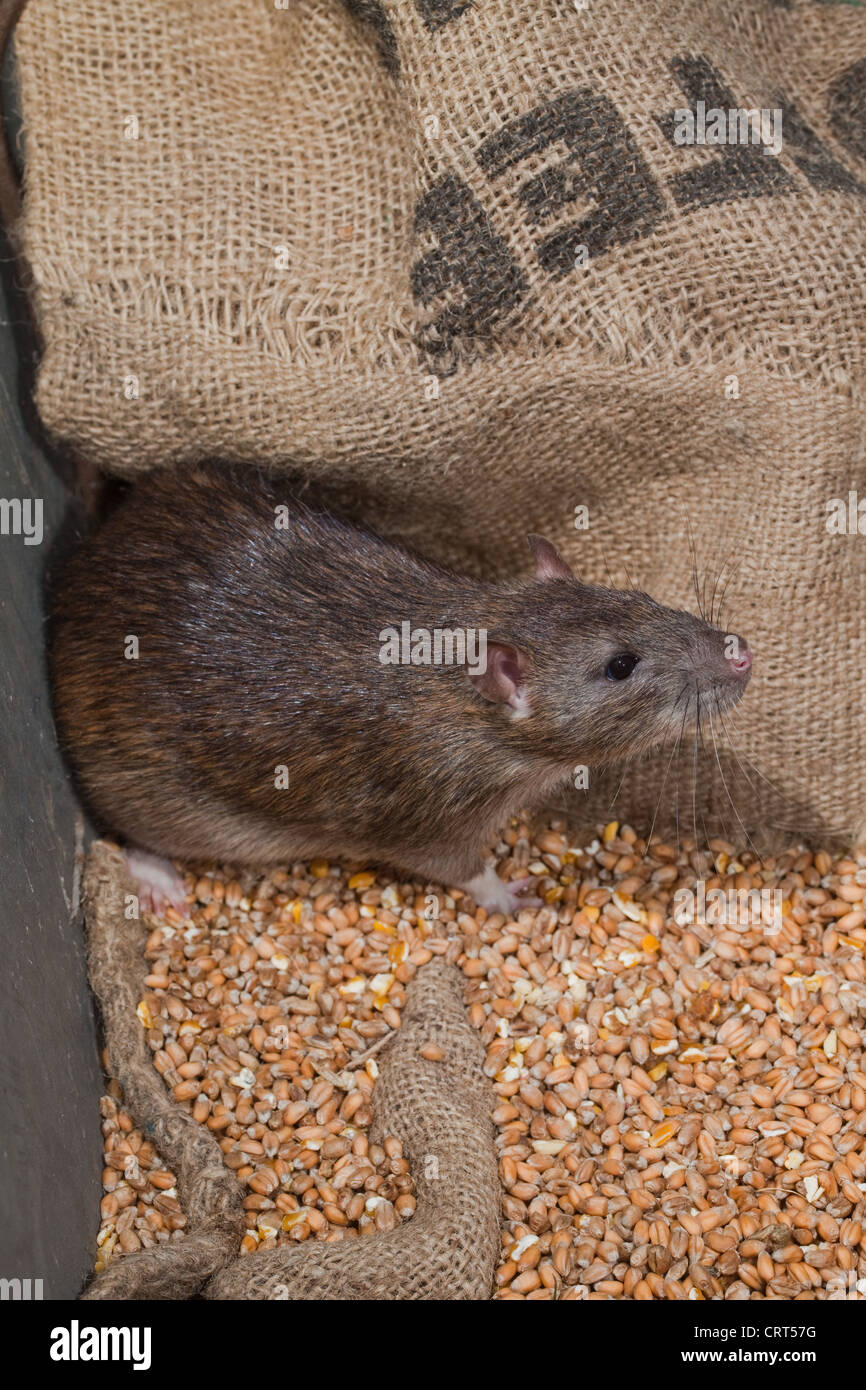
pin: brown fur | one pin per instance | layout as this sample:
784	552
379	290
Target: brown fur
259	647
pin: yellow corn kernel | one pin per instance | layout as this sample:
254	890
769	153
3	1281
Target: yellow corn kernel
658	1071
145	1015
650	943
319	868
630	909
362	880
662	1135
292	1218
355	986
609	832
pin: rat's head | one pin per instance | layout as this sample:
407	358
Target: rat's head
594	674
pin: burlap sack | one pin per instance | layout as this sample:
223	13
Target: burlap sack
440	1110
442	1113
211	1195
347	240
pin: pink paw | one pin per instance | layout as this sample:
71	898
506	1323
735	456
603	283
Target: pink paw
159	883
493	893
518	889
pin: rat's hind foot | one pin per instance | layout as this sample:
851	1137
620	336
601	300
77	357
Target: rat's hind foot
159	883
519	889
496	895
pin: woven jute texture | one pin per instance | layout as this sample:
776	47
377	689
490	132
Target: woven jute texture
449	259
440	1110
210	1193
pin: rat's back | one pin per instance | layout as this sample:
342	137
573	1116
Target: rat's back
215	672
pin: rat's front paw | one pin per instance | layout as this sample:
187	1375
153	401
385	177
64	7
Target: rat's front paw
160	885
493	893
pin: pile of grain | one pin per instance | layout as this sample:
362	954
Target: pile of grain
681	1107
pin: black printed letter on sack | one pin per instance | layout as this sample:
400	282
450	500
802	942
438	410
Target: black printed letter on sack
602	165
732	170
471	268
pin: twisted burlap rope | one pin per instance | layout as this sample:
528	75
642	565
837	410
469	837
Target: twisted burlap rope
440	1111
209	1193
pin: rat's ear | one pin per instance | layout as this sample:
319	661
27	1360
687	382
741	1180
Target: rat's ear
504	679
549	564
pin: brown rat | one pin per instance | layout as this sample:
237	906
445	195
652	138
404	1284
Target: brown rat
261	720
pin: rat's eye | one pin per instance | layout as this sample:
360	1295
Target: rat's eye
620	667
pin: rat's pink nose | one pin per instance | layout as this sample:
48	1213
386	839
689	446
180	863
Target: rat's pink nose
740	663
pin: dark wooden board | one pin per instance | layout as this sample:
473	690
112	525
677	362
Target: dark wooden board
50	1141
